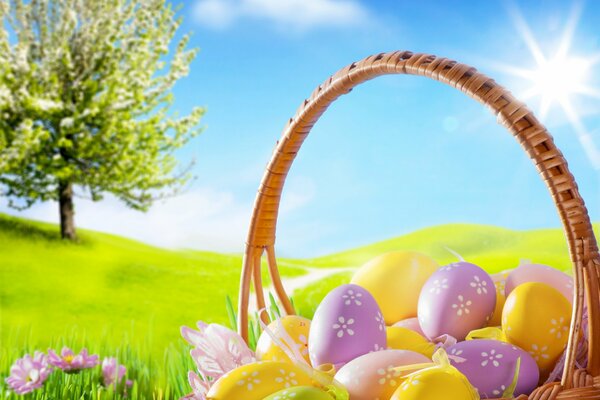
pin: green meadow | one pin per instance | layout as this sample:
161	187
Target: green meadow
124	298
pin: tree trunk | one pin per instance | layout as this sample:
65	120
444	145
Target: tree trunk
67	211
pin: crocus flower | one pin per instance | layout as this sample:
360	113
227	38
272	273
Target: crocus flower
70	362
218	349
199	386
112	371
29	373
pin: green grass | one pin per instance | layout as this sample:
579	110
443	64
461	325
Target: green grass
494	249
123	298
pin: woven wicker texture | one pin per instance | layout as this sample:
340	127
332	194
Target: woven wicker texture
520	122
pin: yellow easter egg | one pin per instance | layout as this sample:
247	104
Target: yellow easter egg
300	393
395	280
399	338
496	319
536	317
296	328
435	384
258	380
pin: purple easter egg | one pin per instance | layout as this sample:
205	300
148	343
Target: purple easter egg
490	366
347	324
455	300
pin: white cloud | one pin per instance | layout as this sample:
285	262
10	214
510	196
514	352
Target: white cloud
296	14
202	218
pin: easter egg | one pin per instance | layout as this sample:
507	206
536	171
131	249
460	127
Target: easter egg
499	282
372	375
258	380
455	300
412	324
543	274
435	384
295	328
537	317
405	339
347	324
300	393
395	280
490	366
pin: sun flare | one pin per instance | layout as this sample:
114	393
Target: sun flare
557	80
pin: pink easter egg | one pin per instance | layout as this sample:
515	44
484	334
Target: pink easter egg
540	273
347	324
490	366
372	375
412	324
455	300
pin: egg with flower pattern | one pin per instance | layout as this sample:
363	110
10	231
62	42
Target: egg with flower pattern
258	380
455	300
372	376
490	366
300	393
290	328
537	317
347	324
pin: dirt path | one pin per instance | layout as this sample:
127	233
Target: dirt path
298	282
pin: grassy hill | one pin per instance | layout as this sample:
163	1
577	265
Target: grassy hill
121	296
494	249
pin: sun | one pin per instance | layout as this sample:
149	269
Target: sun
556	80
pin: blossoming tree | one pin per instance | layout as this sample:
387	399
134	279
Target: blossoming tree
85	99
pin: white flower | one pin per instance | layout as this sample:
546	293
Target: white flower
558	327
407	383
380	321
439	285
462	307
343	326
303	345
499	392
352	297
450	267
538	353
455	356
288	378
249	380
387	375
492	357
479	284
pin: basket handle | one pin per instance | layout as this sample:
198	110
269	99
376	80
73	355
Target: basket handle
514	115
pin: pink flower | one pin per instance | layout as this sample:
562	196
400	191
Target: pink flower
112	371
199	386
71	362
28	374
218	349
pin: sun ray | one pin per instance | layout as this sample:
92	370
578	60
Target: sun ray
525	32
567	36
557	79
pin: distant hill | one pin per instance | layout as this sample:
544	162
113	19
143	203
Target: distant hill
108	287
494	249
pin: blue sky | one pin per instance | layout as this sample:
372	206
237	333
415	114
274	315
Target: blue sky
397	154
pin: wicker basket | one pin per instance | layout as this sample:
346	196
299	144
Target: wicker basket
533	137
